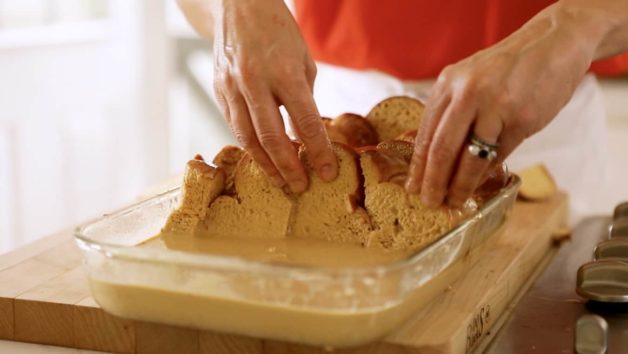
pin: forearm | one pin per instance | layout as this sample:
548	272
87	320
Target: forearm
602	23
204	15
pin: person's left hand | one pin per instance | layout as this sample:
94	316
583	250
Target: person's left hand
502	95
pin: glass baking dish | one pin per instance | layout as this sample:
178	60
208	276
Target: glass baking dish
334	307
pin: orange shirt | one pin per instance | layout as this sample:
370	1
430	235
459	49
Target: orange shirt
415	39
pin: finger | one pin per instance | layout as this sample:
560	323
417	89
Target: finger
308	126
310	73
510	139
240	124
224	106
271	134
444	150
434	109
471	168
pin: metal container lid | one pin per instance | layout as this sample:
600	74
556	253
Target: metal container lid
621	211
615	249
605	281
619	228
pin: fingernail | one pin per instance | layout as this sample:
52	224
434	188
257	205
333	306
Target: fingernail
412	186
298	186
328	172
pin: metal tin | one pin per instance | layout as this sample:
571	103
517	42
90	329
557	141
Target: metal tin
621	211
619	228
591	335
605	281
615	249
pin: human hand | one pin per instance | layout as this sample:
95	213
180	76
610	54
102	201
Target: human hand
262	62
502	95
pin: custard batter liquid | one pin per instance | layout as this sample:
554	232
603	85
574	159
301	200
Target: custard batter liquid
234	304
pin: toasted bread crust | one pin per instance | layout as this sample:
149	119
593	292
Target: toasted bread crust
351	129
228	159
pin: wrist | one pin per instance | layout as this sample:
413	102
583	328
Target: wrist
228	13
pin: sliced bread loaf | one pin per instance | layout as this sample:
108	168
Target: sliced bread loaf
257	209
366	204
395	115
399	219
201	185
331	210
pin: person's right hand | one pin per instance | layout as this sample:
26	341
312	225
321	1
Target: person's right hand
261	62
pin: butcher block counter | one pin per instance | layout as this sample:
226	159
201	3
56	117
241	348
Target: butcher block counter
45	298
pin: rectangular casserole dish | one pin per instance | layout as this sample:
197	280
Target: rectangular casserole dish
334	307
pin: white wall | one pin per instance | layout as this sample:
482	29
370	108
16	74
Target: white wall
74	141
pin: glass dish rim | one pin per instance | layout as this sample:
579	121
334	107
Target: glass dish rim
197	260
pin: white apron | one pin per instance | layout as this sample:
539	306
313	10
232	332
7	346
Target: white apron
573	146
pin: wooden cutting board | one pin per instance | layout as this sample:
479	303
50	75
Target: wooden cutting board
44	298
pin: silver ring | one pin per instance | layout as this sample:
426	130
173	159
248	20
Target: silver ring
482	149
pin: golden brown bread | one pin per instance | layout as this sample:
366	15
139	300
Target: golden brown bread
365	204
201	185
257	209
399	219
395	115
269	212
331	210
228	159
536	183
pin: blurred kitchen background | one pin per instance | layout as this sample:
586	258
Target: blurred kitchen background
101	99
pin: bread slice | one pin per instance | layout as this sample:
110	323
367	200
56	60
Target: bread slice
257	209
399	219
201	185
228	159
536	183
351	129
331	210
395	115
